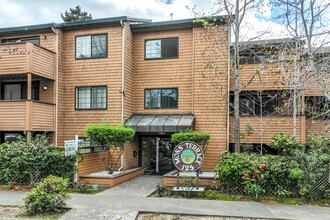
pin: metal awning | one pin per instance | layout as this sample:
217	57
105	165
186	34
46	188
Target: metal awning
160	123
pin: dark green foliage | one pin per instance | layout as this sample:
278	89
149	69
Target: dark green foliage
27	161
200	138
83	186
284	144
75	14
302	173
110	137
49	196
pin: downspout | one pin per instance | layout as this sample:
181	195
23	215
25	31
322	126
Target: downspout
228	91
122	86
56	87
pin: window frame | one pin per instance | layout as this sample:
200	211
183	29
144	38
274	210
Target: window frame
83	58
177	102
75	97
161	40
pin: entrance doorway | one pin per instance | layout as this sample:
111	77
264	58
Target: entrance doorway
156	154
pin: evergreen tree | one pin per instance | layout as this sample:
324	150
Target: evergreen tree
76	14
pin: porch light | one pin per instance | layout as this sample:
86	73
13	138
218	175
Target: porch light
45	87
44	36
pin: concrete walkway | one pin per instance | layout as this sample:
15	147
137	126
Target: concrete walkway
123	202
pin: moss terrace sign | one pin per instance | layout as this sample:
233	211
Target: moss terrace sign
188	156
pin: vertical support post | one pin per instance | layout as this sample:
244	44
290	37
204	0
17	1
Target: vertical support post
157	154
75	177
29	86
28	113
197	179
177	178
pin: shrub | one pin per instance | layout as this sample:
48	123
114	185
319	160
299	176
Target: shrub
83	186
200	138
285	145
49	196
110	137
28	160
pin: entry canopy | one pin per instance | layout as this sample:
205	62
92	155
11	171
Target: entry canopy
160	123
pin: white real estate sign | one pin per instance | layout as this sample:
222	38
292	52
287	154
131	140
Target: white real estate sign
70	147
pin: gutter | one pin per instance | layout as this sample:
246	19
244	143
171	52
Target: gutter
228	90
56	87
122	86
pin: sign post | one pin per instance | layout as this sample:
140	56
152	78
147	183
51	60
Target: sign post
71	147
188	156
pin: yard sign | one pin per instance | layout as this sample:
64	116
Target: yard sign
70	147
188	156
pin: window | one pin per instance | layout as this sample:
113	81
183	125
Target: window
34	40
250	105
87	146
161	48
161	98
257	58
18	91
91	46
317	107
91	97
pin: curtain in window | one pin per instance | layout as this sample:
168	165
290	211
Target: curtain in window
83	98
153	49
12	92
153	98
99	97
99	43
169	98
83	47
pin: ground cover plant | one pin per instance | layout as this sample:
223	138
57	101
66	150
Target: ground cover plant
27	161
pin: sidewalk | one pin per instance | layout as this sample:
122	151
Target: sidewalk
126	207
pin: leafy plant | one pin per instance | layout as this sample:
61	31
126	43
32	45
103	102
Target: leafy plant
28	160
83	186
285	145
110	137
189	135
49	196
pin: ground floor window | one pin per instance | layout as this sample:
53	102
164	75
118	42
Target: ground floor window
87	146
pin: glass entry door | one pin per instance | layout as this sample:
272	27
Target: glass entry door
156	155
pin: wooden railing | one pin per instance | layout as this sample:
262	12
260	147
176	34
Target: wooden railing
19	58
24	115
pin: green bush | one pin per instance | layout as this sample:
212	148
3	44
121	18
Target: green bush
49	196
110	137
27	161
285	145
197	137
302	173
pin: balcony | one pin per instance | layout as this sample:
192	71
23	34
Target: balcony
25	57
270	126
24	115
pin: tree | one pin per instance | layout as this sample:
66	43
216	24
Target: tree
110	138
75	14
308	20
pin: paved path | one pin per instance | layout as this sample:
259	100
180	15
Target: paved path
126	200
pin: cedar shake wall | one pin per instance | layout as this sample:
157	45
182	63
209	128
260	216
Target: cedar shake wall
163	73
209	108
90	72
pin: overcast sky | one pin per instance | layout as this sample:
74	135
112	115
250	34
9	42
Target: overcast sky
30	12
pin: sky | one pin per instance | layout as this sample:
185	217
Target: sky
30	12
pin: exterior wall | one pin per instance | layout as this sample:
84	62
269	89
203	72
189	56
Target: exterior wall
89	72
209	108
318	127
163	73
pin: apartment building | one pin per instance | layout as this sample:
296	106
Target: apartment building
57	78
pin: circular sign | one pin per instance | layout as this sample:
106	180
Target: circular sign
188	156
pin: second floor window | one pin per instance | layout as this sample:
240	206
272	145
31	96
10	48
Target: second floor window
161	98
91	46
91	97
254	105
161	48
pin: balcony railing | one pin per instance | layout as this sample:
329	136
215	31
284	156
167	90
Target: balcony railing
24	115
26	57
